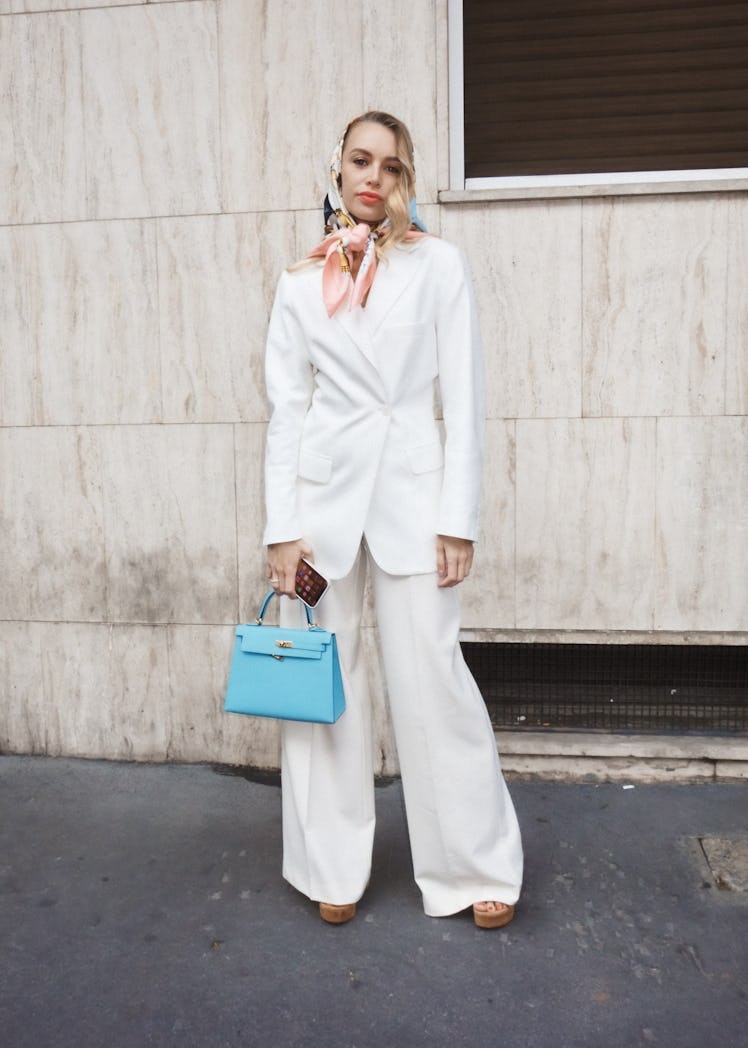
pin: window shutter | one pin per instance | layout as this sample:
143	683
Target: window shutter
604	85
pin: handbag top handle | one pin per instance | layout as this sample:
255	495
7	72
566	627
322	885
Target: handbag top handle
263	608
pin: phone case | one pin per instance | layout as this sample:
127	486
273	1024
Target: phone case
310	585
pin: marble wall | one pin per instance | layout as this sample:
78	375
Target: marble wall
160	163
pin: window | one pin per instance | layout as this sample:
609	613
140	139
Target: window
561	91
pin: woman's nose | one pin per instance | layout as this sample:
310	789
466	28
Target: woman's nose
374	175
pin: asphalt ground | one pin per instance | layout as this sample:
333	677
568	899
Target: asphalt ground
143	905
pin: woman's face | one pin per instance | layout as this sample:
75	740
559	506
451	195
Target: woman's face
370	170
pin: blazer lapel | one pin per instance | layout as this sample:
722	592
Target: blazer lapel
356	326
394	273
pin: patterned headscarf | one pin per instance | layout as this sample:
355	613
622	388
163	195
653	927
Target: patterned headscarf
345	238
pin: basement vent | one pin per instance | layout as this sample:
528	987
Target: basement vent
613	687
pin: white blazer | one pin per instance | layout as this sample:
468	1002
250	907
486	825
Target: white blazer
353	446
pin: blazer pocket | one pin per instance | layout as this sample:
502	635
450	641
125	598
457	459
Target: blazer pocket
315	467
414	332
425	458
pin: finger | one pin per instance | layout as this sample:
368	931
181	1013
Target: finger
448	577
288	580
441	559
275	576
456	566
282	585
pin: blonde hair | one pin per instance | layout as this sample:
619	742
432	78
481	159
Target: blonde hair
397	205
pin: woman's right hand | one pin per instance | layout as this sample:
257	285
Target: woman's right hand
282	561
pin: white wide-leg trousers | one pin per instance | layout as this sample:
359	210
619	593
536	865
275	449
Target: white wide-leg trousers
464	836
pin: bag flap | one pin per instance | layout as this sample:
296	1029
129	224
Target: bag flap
270	640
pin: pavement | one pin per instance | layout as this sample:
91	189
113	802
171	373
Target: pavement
143	905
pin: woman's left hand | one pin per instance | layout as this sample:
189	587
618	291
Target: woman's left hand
454	558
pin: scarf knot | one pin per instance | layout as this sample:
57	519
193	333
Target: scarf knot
340	249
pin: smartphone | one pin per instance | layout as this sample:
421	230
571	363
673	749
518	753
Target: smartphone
310	585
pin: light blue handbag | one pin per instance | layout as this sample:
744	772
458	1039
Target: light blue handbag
293	674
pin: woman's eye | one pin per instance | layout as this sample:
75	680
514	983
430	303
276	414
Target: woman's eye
359	160
393	170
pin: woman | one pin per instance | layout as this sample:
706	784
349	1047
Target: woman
358	478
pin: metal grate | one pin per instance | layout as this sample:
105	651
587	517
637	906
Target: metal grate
632	687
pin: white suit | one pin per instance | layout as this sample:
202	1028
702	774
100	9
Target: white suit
356	465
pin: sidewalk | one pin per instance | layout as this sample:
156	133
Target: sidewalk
143	905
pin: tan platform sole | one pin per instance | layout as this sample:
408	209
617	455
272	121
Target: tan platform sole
337	914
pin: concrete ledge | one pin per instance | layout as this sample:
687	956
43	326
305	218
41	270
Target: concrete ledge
604	757
731	771
590	189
